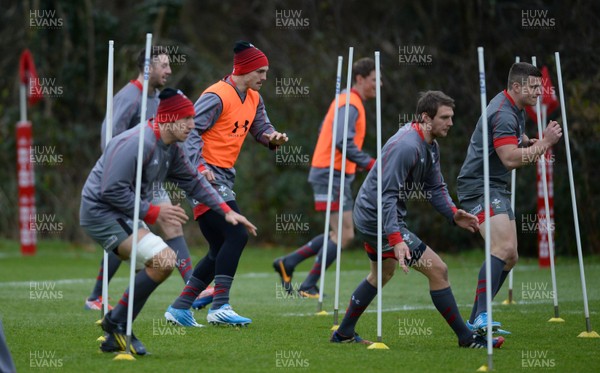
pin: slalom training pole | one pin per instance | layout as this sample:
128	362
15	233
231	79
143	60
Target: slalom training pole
588	333
136	212
486	203
550	237
109	124
338	83
379	345
513	185
342	182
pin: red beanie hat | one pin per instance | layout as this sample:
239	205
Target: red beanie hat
173	106
247	58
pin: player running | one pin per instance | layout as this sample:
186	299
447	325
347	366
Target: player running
509	148
226	113
107	205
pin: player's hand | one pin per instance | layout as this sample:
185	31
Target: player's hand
467	221
276	138
402	252
171	214
532	141
209	175
553	132
235	219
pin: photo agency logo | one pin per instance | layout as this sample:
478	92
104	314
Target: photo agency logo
44	359
47	87
548	159
537	19
160	326
290	359
414	55
291	292
413	191
407	118
536	291
174	53
291	223
291	88
534	223
45	290
167	191
44	19
291	19
537	359
45	155
409	326
291	155
45	223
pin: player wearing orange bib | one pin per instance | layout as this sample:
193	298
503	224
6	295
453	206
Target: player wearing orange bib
226	113
363	88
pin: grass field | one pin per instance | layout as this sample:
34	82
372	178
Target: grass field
41	306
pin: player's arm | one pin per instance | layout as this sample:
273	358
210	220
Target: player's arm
437	190
397	162
440	199
353	153
506	144
263	131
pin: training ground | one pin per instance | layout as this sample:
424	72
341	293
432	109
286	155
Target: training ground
47	329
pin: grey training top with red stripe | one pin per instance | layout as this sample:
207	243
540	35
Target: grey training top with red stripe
410	167
127	109
109	191
506	125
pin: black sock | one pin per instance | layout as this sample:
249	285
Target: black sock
190	292
445	303
497	265
144	286
503	277
113	265
311	248
315	272
221	294
474	309
184	262
361	298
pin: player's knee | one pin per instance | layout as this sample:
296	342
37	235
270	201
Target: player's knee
386	275
388	269
507	251
436	271
511	260
163	262
441	269
347	238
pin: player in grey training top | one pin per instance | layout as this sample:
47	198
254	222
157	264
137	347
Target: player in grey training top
410	164
108	202
127	103
509	148
127	114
